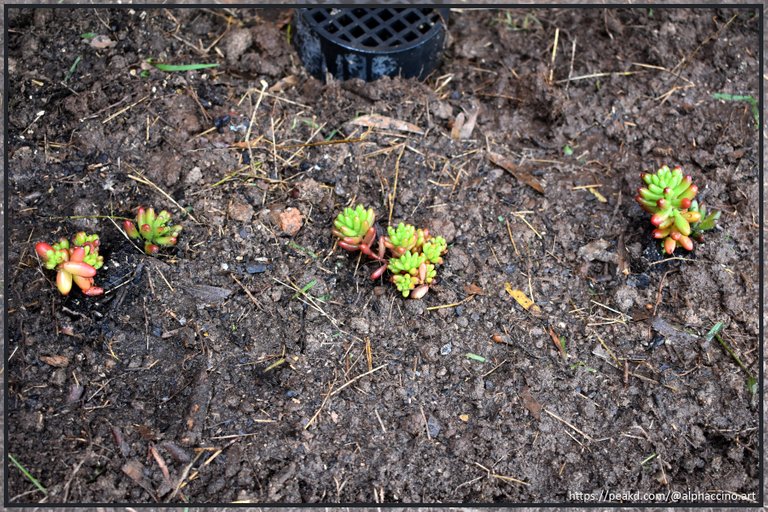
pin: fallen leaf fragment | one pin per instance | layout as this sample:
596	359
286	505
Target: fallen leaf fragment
516	171
178	453
160	462
284	83
145	432
473	289
386	123
102	42
57	361
135	470
458	124
208	294
530	403
468	126
557	342
523	300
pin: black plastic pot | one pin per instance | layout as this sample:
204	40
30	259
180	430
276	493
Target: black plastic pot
370	43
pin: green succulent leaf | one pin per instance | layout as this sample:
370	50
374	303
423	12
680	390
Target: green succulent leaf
405	283
355	222
434	249
408	263
668	196
707	222
431	273
413	253
421	238
155	229
75	262
403	237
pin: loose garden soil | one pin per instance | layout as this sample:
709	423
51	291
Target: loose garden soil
253	363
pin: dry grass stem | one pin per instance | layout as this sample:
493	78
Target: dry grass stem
565	422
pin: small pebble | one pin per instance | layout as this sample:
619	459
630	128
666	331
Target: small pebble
75	392
446	349
657	341
290	221
255	268
221	122
639	281
433	426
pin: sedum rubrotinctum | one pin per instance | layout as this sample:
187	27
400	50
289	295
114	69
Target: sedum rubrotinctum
75	262
410	254
678	219
155	230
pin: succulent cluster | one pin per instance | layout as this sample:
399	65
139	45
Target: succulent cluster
354	228
413	254
678	219
155	229
75	262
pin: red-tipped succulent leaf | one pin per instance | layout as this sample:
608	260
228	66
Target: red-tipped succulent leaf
78	268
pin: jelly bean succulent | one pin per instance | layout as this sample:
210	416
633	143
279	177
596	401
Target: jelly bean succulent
678	219
707	222
75	262
412	274
413	254
355	230
154	229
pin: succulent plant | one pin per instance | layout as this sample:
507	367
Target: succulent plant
412	272
76	262
413	253
707	222
408	263
354	228
401	239
155	229
668	196
405	283
434	249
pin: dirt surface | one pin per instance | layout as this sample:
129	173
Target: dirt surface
170	387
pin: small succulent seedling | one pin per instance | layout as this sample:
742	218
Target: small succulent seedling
668	196
74	262
355	230
400	239
413	253
707	222
155	229
434	250
412	271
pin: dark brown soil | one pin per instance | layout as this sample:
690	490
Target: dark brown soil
178	364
